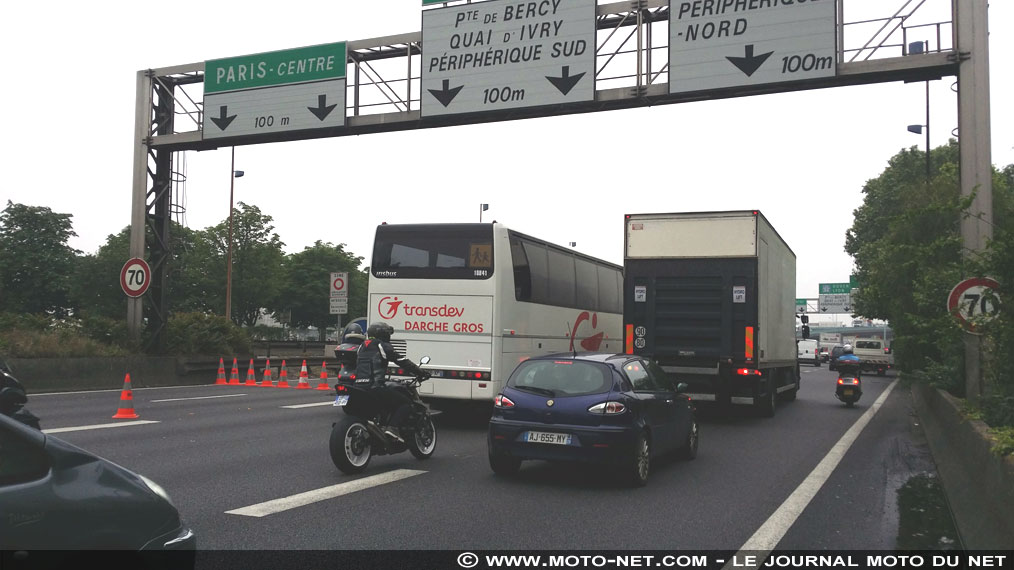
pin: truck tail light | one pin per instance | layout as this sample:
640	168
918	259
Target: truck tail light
748	372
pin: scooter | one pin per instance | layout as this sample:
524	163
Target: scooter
364	429
849	388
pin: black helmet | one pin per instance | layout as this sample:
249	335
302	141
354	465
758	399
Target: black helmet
380	331
353	333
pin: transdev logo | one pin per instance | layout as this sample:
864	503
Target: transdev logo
388	307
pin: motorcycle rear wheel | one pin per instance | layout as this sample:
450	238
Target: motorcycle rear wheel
350	445
422	442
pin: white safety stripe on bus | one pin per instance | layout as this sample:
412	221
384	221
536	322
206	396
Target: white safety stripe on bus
99	426
323	494
771	532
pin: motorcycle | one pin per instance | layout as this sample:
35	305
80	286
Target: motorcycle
364	429
13	399
849	388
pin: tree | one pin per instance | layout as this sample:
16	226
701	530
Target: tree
36	263
906	244
257	259
305	291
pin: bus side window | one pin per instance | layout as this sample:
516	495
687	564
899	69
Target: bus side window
522	272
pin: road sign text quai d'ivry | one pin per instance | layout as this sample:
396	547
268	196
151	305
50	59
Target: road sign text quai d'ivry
289	90
501	54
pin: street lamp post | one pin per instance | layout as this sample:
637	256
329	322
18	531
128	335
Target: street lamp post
919	48
233	175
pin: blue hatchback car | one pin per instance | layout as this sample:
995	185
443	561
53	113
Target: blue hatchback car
616	409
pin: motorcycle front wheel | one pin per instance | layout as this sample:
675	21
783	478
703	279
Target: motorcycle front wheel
350	445
423	439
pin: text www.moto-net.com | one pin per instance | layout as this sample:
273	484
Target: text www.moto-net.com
470	560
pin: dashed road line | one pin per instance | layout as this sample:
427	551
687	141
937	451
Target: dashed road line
99	426
323	494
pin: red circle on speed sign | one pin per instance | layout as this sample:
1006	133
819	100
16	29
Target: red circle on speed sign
968	300
135	277
338	284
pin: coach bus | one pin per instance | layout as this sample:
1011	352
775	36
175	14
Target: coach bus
480	298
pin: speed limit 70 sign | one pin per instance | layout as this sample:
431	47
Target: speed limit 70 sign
972	299
135	277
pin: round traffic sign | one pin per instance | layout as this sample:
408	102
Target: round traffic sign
972	299
135	277
338	284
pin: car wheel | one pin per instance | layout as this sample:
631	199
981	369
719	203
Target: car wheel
502	464
689	450
639	468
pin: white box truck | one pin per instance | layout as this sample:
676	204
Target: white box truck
710	296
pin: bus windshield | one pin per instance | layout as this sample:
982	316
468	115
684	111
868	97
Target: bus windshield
445	251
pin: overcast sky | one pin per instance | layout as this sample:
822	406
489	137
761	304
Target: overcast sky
801	158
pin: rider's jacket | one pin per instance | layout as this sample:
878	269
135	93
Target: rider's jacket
372	358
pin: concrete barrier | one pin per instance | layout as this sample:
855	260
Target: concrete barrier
68	374
979	484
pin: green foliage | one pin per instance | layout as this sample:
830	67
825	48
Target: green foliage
1003	441
35	336
35	261
906	244
199	333
304	294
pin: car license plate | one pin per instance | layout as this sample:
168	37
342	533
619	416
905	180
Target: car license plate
847	392
341	400
545	437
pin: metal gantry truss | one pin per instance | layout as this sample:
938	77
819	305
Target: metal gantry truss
384	89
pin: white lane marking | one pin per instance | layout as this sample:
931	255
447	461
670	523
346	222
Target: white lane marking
771	532
322	494
197	398
297	406
33	395
99	426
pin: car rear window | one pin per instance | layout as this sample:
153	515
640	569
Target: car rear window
561	377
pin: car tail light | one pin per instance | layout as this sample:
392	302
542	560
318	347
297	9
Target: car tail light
502	401
608	408
340	388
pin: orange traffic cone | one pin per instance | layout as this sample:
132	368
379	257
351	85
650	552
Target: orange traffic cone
267	375
221	373
234	376
126	410
251	376
283	377
304	378
323	377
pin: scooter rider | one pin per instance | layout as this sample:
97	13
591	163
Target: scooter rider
848	362
371	362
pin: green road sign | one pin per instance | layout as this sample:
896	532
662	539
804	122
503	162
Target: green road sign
300	65
835	288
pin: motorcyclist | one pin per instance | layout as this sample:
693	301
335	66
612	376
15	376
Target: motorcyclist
848	363
371	362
